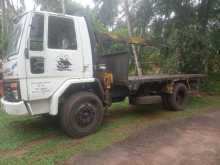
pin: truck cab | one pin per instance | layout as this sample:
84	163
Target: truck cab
46	52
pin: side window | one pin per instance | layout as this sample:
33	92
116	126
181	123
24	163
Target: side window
61	33
37	33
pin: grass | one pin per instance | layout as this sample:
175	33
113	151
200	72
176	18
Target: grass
39	140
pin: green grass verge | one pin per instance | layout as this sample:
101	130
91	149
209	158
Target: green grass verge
39	140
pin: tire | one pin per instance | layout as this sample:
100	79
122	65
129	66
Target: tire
177	101
82	114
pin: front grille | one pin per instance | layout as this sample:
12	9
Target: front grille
9	94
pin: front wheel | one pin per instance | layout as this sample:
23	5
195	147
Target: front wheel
82	114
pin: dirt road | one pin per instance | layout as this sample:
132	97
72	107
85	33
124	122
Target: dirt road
194	141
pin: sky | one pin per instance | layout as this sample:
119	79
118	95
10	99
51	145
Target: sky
30	4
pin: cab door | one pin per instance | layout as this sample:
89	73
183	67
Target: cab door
54	54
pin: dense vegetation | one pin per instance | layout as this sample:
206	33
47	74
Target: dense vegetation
185	33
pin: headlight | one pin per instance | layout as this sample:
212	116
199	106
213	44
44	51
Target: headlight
12	90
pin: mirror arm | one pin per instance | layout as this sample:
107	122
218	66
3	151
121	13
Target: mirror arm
26	52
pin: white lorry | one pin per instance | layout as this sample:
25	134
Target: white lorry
51	67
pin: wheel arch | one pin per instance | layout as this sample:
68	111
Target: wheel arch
73	86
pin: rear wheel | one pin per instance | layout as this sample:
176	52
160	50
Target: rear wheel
82	114
177	101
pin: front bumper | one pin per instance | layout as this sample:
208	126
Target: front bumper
17	108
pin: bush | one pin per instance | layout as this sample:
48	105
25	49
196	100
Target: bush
212	84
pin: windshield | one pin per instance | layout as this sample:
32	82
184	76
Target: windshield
15	36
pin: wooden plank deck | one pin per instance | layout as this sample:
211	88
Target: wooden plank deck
165	77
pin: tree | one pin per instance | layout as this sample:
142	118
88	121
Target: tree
107	11
52	6
130	34
9	10
184	26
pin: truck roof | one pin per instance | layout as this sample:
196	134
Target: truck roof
52	13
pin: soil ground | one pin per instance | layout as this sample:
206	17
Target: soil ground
190	141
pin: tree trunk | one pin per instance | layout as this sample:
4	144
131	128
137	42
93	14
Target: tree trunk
137	64
3	25
204	14
204	11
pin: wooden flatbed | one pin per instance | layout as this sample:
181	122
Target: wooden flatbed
163	78
134	82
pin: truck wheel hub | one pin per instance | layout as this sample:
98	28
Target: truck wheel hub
85	115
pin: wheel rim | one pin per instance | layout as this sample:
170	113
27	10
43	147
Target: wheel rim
181	97
85	115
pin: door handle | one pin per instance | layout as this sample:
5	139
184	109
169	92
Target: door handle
85	67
